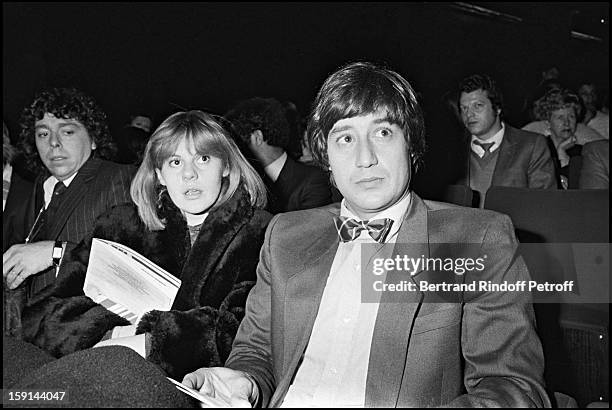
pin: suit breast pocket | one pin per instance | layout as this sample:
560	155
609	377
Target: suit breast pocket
437	319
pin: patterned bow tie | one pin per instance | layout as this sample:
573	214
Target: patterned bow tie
350	229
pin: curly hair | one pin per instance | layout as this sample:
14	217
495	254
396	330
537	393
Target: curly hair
361	88
485	83
265	114
556	99
68	103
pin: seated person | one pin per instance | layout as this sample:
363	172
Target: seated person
593	117
263	129
197	215
561	108
66	143
595	171
309	339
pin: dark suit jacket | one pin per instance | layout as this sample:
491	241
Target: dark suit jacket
595	172
524	161
483	352
299	186
97	187
13	217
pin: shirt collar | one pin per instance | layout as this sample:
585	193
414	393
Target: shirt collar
396	213
7	172
49	185
274	168
495	139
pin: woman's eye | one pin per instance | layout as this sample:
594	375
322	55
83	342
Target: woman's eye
174	162
42	134
203	159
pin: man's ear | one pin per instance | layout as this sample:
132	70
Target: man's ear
256	138
160	177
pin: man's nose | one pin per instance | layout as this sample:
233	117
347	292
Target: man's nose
54	140
366	156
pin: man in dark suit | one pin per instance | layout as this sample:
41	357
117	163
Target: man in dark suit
498	154
262	126
315	333
63	134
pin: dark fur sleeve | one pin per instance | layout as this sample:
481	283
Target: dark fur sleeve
182	342
65	325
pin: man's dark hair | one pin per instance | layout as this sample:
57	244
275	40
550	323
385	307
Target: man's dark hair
363	88
485	83
68	103
264	114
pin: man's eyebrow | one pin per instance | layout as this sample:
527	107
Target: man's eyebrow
68	122
381	120
340	129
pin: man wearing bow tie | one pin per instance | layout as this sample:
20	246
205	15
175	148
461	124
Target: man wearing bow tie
309	340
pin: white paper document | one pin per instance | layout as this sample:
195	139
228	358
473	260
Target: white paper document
127	283
205	400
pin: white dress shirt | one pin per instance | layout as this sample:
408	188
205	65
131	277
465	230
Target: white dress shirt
495	139
335	365
274	168
49	185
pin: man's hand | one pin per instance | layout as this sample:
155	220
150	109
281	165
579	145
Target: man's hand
23	261
236	388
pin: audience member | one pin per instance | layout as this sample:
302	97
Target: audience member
65	130
144	122
593	117
15	192
131	143
561	109
595	171
196	214
307	340
500	155
262	126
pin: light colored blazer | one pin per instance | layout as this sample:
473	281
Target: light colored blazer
481	353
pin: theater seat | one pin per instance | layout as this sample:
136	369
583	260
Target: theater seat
461	195
575	165
575	336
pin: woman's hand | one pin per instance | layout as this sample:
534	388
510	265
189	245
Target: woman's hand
562	150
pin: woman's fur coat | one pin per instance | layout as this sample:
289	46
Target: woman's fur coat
216	274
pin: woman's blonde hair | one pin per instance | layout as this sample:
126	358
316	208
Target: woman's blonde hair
209	137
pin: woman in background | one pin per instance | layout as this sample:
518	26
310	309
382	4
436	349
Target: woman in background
561	109
198	215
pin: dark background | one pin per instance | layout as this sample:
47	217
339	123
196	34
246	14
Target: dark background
158	58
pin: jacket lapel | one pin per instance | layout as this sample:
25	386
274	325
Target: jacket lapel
73	196
396	314
505	160
302	299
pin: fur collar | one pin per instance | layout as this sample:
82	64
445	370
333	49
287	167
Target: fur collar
218	230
